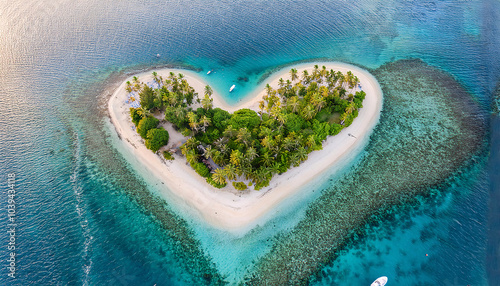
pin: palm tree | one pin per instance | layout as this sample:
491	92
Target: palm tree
192	143
259	175
293	74
324	71
194	125
236	157
206	121
288	143
294	159
330	75
207	102
244	136
305	76
262	105
310	141
268	89
172	77
184	86
319	101
281	118
208	90
294	103
192	156
158	98
315	71
155	77
356	80
193	121
308	112
275	111
218	176
275	168
230	171
266	159
281	83
230	132
137	86
128	87
245	169
143	112
218	158
171	98
251	153
343	117
288	86
350	108
348	79
264	131
192	117
209	152
298	139
302	153
266	142
340	78
180	112
319	78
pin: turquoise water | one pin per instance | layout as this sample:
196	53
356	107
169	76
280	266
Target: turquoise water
87	218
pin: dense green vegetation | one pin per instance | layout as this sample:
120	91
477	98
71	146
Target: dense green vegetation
146	124
157	137
240	186
168	156
292	121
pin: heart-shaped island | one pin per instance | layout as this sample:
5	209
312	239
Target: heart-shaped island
235	163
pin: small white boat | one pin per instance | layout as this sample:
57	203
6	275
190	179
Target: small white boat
157	55
209	71
232	87
380	281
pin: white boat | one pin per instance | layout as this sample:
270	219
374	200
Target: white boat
232	87
209	71
380	281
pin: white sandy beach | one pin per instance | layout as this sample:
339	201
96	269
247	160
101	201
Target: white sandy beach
226	209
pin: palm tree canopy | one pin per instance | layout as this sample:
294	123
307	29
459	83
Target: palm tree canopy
207	102
208	90
219	177
293	119
230	171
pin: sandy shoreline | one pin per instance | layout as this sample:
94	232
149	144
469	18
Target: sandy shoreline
224	209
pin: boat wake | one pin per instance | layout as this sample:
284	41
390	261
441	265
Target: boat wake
81	209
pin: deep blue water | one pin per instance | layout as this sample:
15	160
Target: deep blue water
79	212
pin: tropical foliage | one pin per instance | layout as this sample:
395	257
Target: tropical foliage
292	121
168	156
136	115
240	186
146	124
157	137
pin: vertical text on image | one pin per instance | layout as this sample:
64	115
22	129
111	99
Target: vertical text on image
11	225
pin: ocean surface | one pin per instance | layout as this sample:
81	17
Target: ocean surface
85	215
